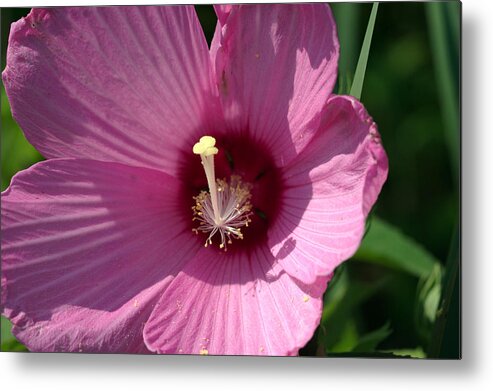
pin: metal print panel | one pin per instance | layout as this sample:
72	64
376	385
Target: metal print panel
261	179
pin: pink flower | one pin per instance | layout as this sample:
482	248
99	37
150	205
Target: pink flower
100	249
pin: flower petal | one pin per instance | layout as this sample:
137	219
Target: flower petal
276	66
330	189
123	84
235	305
87	249
223	11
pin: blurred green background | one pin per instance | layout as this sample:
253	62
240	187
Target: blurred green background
400	294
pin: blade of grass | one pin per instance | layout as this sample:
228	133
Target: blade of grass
453	19
359	75
448	313
447	79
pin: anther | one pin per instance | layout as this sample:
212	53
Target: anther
226	207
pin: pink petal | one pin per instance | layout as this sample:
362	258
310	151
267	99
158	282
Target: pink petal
223	11
87	249
123	84
330	188
276	66
234	304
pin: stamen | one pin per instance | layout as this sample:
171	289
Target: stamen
226	208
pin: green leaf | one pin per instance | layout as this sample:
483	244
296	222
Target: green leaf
413	353
370	341
5	334
8	343
347	340
386	245
342	300
429	291
359	75
17	154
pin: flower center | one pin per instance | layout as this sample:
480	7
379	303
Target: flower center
226	208
253	180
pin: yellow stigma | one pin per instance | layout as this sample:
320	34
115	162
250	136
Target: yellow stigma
205	146
226	208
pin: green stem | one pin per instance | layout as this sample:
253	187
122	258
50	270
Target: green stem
359	75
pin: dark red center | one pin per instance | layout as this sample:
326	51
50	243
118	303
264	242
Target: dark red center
249	159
